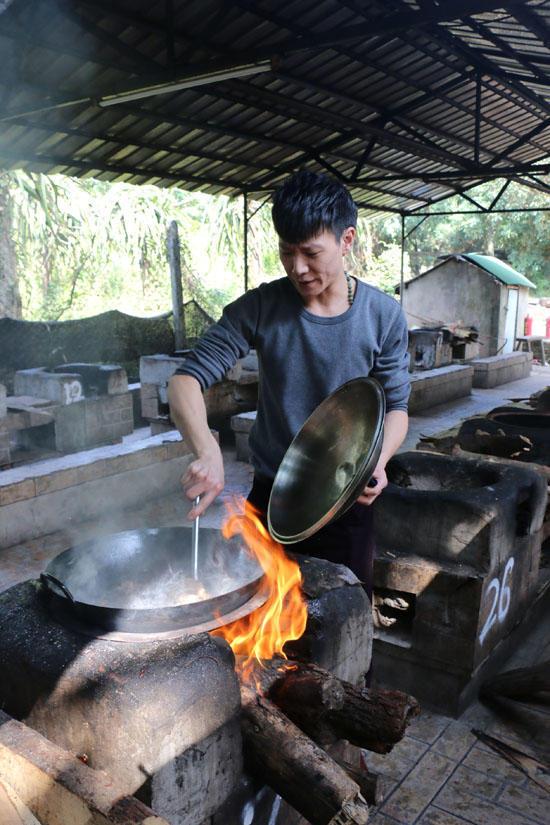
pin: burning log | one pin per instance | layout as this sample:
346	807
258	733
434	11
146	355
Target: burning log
374	719
328	709
296	768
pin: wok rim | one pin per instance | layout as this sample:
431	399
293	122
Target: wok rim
146	619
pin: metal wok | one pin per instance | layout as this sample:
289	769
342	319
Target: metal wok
141	581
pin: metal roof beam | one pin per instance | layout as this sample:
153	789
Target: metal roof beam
348	181
163	116
169	149
285	106
137	58
505	48
455	45
477	212
488	173
388	24
531	20
411	40
385	115
115	168
467	75
533	183
331	146
536	130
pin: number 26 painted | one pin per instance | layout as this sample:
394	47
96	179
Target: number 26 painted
502	597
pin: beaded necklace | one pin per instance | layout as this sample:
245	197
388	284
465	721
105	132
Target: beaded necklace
349	281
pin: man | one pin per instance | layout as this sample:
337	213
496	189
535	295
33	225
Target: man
313	330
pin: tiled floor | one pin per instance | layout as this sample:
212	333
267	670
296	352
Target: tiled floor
443	775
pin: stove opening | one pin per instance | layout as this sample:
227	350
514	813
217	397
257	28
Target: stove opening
393	615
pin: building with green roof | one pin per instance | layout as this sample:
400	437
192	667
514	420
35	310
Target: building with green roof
476	290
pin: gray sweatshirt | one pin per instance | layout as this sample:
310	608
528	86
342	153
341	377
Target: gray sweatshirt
303	357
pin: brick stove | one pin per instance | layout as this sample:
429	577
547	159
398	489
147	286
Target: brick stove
162	716
459	544
69	408
237	392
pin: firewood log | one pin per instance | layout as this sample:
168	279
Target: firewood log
373	787
277	752
374	719
328	709
528	683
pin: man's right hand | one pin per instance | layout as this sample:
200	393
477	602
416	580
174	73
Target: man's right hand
205	478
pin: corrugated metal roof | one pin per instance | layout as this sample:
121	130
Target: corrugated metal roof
499	269
407	102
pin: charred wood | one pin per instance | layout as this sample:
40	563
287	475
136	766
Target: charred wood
374	719
528	683
328	709
295	767
371	784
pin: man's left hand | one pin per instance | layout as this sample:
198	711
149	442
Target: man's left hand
372	491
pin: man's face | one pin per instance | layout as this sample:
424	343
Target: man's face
316	264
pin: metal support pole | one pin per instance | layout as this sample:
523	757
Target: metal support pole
245	239
477	125
402	282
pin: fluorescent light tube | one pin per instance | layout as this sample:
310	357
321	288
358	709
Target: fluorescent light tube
199	79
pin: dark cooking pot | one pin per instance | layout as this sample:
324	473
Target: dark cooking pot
141	581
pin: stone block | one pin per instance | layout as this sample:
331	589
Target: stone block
501	369
5	449
241	425
19	491
62	388
93	421
56	481
158	369
438	386
149	401
185	690
3	403
32	516
117	379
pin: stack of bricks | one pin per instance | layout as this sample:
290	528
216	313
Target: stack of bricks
236	392
89	404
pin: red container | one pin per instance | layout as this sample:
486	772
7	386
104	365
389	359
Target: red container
547	328
528	325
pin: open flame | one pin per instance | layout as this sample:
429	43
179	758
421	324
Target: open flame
263	633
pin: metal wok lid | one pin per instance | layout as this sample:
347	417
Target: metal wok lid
329	461
141	581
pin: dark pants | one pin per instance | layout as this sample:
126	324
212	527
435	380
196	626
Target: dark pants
347	540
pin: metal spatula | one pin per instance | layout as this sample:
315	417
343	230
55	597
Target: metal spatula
195	541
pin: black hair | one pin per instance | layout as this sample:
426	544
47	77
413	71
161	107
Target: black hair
309	203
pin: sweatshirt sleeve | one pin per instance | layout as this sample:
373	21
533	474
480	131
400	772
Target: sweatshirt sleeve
225	342
391	366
